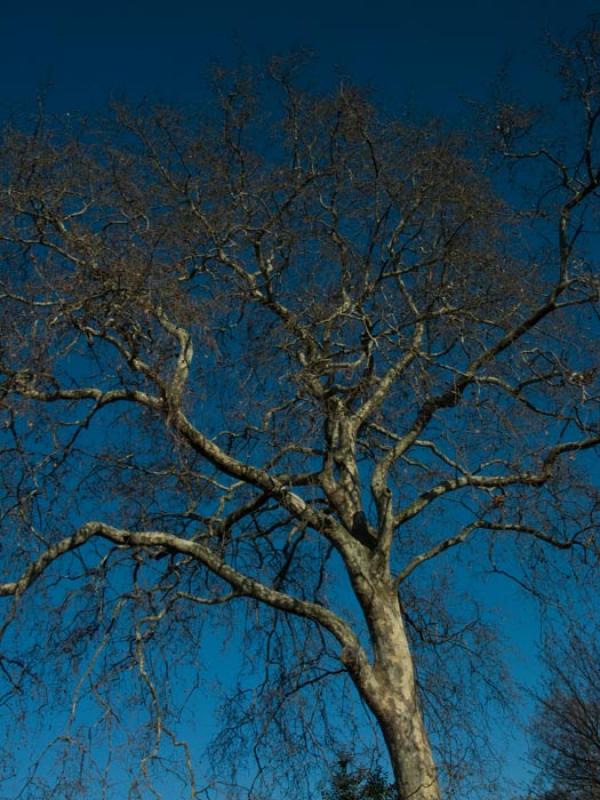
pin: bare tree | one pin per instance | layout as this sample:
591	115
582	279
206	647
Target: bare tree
292	352
566	729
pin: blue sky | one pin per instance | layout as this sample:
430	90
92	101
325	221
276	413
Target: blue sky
426	52
429	54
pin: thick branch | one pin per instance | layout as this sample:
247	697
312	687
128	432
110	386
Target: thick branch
243	585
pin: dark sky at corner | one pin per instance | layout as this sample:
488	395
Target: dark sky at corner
425	52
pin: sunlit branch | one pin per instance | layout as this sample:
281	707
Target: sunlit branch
242	584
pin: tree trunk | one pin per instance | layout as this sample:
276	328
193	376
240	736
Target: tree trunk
389	688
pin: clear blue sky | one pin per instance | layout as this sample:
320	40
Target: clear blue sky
427	53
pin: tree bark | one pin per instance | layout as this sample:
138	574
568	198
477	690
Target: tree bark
389	688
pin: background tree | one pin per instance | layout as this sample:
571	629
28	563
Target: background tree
358	783
293	353
566	729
